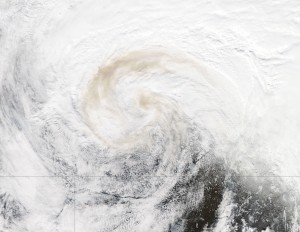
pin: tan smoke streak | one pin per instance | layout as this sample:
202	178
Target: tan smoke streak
101	107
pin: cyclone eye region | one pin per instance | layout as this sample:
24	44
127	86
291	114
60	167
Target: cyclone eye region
155	116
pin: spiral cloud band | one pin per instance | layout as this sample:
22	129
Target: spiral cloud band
149	116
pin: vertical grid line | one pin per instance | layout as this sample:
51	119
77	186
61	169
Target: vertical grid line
74	206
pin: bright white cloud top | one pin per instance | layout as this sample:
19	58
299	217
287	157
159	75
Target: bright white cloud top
149	116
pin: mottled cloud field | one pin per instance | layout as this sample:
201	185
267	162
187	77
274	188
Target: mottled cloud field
175	116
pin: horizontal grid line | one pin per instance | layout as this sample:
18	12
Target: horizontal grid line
72	176
121	176
268	176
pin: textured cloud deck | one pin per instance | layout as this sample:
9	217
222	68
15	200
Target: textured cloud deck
160	116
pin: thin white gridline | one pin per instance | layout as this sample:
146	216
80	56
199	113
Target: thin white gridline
74	204
64	176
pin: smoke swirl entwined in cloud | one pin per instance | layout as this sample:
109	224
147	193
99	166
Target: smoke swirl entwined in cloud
111	122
